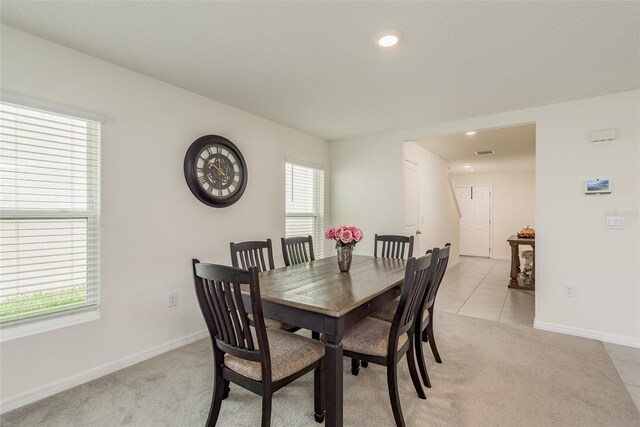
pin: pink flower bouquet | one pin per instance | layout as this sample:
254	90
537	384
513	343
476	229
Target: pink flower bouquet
344	235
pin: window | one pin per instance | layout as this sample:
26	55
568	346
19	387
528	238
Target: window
49	212
305	204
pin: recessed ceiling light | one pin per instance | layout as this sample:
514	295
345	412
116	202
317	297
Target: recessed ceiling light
467	166
388	38
471	132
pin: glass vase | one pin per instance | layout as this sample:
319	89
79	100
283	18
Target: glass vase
345	254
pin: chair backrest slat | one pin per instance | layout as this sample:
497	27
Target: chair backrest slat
417	275
302	253
439	265
296	255
421	278
218	300
214	308
236	327
262	264
218	289
297	250
393	246
252	254
244	318
302	256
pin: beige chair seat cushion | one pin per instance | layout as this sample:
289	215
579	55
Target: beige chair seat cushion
290	353
389	311
370	336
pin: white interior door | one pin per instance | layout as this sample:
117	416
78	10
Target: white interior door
475	222
412	202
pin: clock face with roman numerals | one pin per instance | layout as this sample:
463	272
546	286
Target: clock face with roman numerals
215	171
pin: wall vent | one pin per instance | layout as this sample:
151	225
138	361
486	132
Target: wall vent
482	153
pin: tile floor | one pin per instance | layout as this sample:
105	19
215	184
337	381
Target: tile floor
477	287
627	362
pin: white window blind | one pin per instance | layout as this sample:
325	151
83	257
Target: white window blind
49	213
305	204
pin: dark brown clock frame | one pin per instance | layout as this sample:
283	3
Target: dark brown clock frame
191	171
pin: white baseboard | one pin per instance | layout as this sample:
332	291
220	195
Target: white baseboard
501	257
66	383
588	333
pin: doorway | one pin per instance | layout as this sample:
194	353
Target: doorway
478	190
412	202
475	220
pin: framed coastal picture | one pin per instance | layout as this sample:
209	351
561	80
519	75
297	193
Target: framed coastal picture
597	186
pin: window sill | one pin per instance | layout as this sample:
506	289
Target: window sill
8	333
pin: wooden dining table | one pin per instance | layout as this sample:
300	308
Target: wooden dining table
318	297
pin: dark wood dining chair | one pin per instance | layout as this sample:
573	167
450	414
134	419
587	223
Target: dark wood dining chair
252	254
384	343
297	250
259	254
393	246
256	358
424	328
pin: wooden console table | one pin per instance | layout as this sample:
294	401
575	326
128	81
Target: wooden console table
516	282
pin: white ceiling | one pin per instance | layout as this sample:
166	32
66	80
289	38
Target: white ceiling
514	147
314	65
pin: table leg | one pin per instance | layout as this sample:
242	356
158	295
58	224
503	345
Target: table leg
515	264
333	384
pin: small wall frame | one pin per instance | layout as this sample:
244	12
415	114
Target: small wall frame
597	186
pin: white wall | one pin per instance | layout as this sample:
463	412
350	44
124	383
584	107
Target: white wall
368	177
439	218
572	244
513	204
151	224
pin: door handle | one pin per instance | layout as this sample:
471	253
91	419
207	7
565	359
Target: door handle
418	232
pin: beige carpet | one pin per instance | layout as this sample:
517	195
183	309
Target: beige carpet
493	375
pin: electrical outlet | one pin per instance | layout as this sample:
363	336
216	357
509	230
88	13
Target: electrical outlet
173	299
569	291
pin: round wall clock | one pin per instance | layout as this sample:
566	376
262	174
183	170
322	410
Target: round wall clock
215	171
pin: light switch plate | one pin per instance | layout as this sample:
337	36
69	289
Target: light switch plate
615	223
173	299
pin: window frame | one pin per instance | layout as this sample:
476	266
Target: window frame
318	239
73	315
